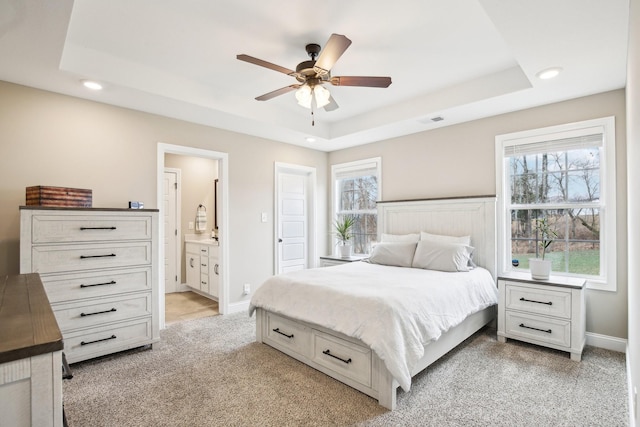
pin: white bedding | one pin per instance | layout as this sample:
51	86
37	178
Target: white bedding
394	310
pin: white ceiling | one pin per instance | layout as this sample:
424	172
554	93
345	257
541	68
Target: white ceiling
459	59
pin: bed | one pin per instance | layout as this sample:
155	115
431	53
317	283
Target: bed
369	324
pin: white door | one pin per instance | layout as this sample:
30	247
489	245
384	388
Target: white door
171	280
294	214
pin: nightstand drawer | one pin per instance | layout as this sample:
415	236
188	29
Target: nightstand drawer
538	328
539	301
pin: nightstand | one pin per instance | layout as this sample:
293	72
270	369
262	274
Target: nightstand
549	313
328	261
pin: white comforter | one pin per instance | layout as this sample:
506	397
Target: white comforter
394	310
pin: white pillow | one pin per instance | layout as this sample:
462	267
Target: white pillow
465	240
414	237
399	254
442	256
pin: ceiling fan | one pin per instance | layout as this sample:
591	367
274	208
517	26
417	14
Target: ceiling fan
313	74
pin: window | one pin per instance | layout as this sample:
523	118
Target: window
356	188
566	175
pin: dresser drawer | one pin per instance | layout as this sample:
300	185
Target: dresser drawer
89	228
54	259
549	302
71	287
343	357
92	313
89	343
538	328
285	333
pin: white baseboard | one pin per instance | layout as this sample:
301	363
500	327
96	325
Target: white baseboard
607	342
237	307
630	392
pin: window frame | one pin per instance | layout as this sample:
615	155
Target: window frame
606	125
353	168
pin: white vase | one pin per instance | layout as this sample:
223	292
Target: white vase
345	250
540	268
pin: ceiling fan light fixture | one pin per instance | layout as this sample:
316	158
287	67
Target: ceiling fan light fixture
322	95
303	95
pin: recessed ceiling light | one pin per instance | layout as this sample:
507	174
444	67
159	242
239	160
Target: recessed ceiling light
89	84
549	73
310	139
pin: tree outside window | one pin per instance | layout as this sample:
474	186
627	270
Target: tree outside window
356	191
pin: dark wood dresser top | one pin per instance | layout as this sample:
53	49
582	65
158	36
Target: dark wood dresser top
28	326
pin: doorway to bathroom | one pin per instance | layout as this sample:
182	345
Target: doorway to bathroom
195	223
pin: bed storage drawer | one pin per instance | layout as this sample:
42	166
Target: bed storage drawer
546	330
285	333
343	357
541	301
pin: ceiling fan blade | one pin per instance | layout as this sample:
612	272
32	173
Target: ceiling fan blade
332	105
260	62
277	92
360	81
333	50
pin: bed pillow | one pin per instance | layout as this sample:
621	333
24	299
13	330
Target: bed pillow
465	240
442	256
414	237
398	254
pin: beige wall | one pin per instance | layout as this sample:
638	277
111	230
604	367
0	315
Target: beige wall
197	181
459	160
633	160
51	139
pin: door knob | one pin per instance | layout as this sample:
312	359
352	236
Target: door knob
279	240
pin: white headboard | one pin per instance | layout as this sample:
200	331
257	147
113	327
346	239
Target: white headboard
474	216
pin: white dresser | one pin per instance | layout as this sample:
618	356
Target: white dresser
550	312
203	268
100	271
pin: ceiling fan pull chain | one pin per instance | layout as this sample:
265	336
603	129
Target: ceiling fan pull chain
313	120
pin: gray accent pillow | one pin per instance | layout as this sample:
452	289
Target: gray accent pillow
442	256
398	254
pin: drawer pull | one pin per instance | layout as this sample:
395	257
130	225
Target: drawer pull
97	312
112	337
215	269
97	228
537	302
95	256
328	353
113	282
277	330
522	325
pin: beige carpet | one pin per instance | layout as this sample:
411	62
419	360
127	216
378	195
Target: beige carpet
210	372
